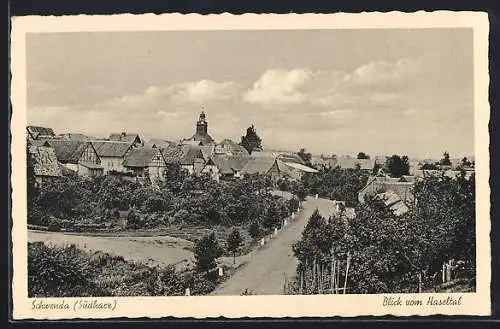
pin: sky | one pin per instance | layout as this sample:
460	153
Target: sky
383	91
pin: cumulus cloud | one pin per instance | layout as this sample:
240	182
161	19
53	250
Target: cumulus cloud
372	84
278	86
188	93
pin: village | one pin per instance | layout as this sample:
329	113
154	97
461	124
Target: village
129	156
299	188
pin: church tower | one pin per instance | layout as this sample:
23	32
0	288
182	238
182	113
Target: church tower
202	124
201	136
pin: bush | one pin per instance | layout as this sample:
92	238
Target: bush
59	272
254	230
133	220
55	225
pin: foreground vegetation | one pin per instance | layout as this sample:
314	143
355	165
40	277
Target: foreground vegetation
181	202
379	252
68	271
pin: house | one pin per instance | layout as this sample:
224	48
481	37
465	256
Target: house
262	165
44	163
36	132
133	139
79	156
112	154
188	157
376	185
201	136
394	202
229	147
294	170
226	166
146	162
324	161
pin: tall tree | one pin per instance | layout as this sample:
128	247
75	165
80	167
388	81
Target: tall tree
305	156
206	252
234	243
251	141
397	166
445	161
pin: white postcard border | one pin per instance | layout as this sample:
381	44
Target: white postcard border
477	303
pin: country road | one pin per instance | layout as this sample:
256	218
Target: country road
265	272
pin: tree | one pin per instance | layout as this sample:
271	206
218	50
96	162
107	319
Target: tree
363	156
397	166
206	252
272	217
254	230
466	162
445	161
305	156
251	141
133	220
234	242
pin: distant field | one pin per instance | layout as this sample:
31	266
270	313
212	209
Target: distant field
151	250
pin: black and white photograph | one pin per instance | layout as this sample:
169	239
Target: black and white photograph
252	162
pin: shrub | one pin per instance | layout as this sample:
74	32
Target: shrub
55	225
254	230
59	272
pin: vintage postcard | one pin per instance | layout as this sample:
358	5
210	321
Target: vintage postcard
250	165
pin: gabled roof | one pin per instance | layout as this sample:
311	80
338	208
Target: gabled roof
37	131
258	165
141	157
232	146
228	164
68	151
183	154
44	161
394	202
159	143
204	138
207	151
125	137
111	148
300	167
375	184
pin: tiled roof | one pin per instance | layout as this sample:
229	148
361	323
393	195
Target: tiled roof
68	151
44	161
394	202
141	157
159	143
227	164
204	138
300	167
183	154
111	148
258	165
36	131
377	185
230	146
124	137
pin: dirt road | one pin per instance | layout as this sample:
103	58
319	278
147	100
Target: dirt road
265	272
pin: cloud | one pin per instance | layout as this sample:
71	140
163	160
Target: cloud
168	98
279	86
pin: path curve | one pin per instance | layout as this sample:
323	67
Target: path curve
265	272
